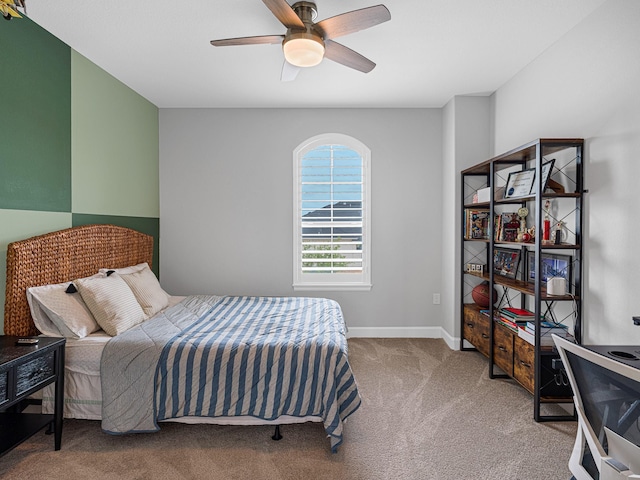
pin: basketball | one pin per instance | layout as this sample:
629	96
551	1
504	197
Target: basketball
480	295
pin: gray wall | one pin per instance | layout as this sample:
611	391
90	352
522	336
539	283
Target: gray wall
226	198
466	141
226	205
588	85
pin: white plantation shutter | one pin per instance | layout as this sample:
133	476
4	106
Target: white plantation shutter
331	214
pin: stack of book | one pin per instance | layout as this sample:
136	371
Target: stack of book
528	332
517	314
512	318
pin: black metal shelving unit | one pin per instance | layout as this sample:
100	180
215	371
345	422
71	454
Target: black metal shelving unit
532	295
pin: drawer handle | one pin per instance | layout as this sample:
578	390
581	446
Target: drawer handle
502	349
484	335
36	373
524	364
470	325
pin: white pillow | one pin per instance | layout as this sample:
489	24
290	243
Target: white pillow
147	290
57	313
111	302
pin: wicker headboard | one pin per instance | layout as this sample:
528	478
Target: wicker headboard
63	256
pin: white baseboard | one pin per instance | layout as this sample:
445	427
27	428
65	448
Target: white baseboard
405	332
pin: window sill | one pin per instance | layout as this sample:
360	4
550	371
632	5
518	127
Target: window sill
326	287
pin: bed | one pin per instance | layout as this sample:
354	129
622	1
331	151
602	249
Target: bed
196	359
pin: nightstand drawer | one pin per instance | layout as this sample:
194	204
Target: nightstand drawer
4	389
34	372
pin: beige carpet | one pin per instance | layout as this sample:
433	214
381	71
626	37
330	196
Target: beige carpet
427	413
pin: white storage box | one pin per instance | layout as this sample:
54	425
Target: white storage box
484	194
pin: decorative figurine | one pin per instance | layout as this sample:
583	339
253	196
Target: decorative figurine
557	234
546	224
522	213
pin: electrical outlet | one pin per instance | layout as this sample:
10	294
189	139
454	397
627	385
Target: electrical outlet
436	299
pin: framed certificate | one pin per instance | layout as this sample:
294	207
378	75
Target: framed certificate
545	173
519	184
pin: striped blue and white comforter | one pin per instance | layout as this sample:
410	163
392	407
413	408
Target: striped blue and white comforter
215	356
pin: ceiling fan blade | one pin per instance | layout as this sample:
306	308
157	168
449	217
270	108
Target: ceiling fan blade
289	72
283	12
262	39
352	22
347	57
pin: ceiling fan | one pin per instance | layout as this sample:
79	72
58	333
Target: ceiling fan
306	43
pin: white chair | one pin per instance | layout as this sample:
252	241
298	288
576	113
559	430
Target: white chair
606	395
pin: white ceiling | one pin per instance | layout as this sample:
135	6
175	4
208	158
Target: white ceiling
430	51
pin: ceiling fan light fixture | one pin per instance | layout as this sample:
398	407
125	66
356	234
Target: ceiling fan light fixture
303	49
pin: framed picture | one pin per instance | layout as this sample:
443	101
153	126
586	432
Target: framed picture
519	184
545	174
553	265
506	261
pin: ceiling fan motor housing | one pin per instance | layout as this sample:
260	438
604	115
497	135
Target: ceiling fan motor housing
304	48
307	11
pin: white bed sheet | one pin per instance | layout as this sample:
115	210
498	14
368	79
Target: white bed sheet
83	391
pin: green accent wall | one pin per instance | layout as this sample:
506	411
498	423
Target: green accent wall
114	145
78	146
35	159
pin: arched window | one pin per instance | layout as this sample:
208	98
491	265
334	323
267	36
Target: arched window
332	211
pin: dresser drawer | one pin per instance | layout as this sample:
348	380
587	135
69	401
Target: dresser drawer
34	372
4	387
503	349
476	330
523	363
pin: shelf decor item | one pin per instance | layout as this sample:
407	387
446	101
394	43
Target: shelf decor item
546	224
480	295
506	261
477	224
545	173
519	184
552	265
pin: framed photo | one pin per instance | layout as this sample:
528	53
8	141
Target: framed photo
553	265
506	261
519	184
545	174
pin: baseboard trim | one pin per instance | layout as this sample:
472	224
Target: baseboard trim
405	332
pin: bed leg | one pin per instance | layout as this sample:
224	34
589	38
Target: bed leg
276	435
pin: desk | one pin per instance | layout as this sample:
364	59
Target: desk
23	371
627	354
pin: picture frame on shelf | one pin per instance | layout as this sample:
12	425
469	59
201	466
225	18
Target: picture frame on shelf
519	184
506	262
545	173
476	268
476	224
552	265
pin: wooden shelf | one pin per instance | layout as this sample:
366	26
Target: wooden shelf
524	153
522	287
544	246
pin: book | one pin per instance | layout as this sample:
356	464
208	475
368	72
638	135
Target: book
547	327
546	340
517	313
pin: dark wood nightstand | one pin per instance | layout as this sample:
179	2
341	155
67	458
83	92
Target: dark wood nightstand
25	369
